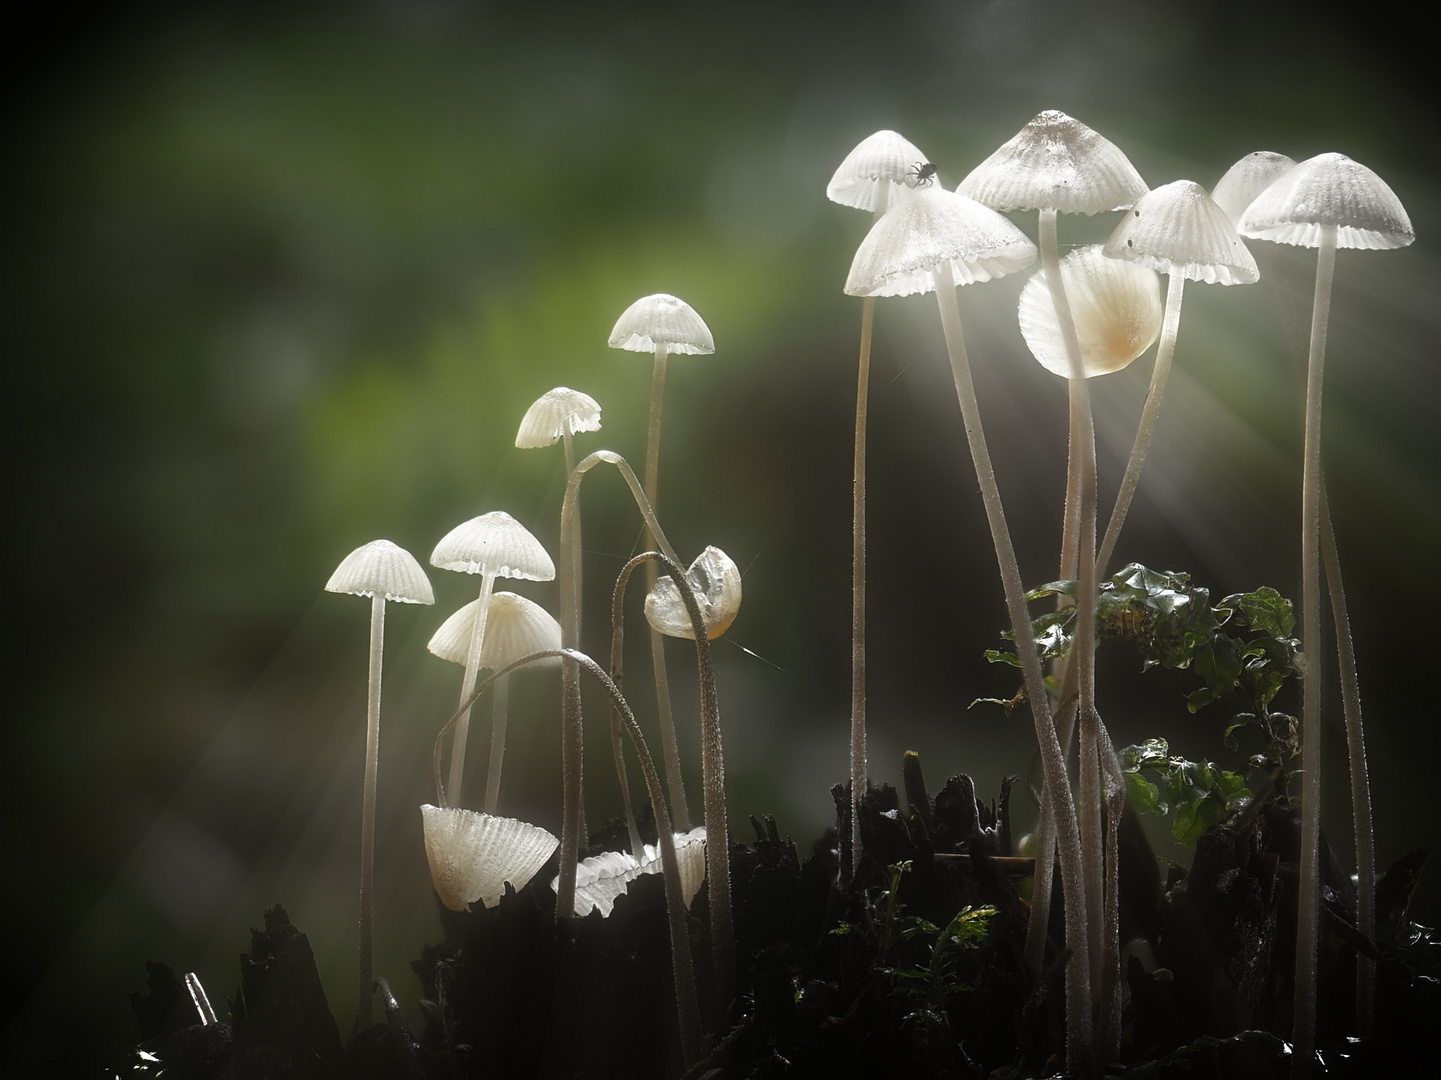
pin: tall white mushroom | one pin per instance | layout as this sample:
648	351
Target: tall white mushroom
930	243
382	571
880	171
557	415
1326	202
515	628
492	545
662	324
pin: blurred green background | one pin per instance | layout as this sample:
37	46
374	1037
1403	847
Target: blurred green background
283	279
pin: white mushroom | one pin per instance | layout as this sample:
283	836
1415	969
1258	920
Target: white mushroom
473	855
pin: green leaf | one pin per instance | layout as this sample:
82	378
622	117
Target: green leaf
1267	611
1144	795
996	656
1195	817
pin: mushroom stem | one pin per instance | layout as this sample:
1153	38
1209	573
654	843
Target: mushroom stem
674	782
572	733
467	684
367	808
500	708
858	562
1082	657
1170	324
1109	991
1038	927
1308	911
1078	971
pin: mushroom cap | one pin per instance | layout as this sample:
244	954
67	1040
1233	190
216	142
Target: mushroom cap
716	581
473	855
1116	306
555	414
515	627
385	569
661	319
882	158
900	254
1329	189
493	542
601	879
1055	163
1246	179
1178	229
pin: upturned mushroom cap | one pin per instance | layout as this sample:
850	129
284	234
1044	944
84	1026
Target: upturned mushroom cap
1116	306
882	158
515	627
1329	189
661	319
493	542
1178	229
1055	163
601	879
384	569
473	855
1246	179
900	254
716	581
555	414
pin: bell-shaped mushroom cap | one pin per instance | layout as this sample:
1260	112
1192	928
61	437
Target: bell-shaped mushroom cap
716	581
900	254
1246	179
1178	229
385	569
661	319
515	627
1116	306
473	855
493	542
1055	163
1329	189
555	414
882	158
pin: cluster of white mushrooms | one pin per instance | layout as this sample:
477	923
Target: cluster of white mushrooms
1090	314
473	855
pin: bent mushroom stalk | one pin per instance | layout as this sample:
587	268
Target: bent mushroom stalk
926	245
881	170
381	571
662	324
1326	202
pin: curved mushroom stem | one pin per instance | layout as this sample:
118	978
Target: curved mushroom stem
1171	323
1308	912
467	685
367	810
572	734
1078	971
674	782
683	969
500	707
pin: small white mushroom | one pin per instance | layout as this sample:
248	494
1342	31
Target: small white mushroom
381	571
716	581
883	169
492	545
1246	179
558	414
473	855
601	879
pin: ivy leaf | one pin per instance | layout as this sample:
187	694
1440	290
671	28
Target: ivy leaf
996	656
1265	611
1144	795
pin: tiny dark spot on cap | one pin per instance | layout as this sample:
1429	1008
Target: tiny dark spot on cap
1130	243
1138	213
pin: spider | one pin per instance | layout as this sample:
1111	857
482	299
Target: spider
923	174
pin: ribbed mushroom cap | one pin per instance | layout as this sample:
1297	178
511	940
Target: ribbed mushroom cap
494	542
661	319
900	254
382	568
556	413
1178	229
1055	163
601	879
882	158
473	855
1246	179
1116	306
1329	189
515	627
716	581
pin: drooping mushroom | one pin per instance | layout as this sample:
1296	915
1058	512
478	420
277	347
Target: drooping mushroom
716	581
662	324
879	172
382	571
1326	202
930	243
515	627
557	415
473	855
491	545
